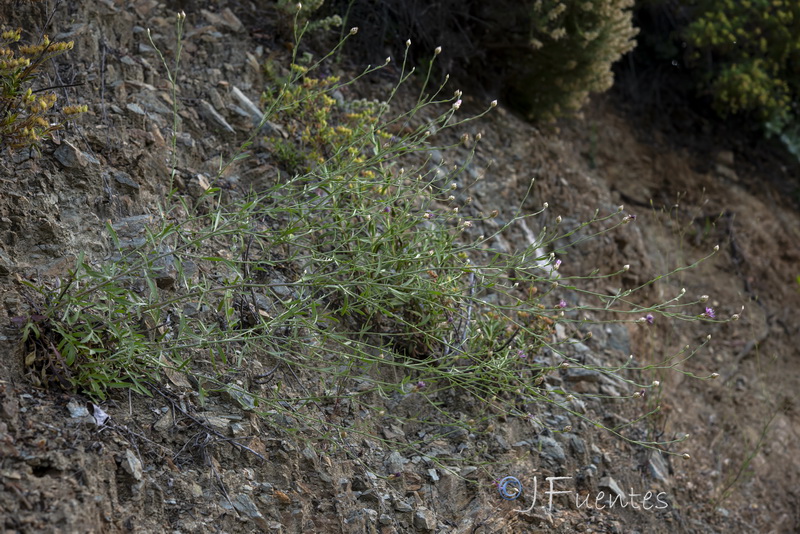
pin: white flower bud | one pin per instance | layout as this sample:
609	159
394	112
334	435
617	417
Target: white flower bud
408	43
558	219
458	93
354	30
656	383
493	104
299	6
570	398
626	268
621	208
713	376
388	60
716	248
704	298
437	50
708	337
687	456
545	205
478	136
683	291
735	317
457	105
565	365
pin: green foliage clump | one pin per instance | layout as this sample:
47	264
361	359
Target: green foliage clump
748	55
358	279
23	111
564	54
78	344
314	128
294	16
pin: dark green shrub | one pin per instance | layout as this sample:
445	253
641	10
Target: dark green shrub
746	54
557	52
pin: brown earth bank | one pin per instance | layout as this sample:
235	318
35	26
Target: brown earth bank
173	463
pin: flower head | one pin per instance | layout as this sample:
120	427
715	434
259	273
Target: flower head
521	354
709	313
561	304
649	318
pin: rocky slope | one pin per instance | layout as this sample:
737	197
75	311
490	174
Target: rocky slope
168	464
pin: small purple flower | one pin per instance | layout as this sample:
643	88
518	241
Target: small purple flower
421	384
629	218
387	209
709	313
557	265
561	304
521	354
649	318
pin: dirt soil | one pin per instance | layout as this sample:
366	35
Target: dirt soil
162	464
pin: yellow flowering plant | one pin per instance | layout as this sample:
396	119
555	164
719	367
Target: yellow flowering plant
25	112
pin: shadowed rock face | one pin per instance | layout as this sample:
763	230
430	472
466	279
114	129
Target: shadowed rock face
169	462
